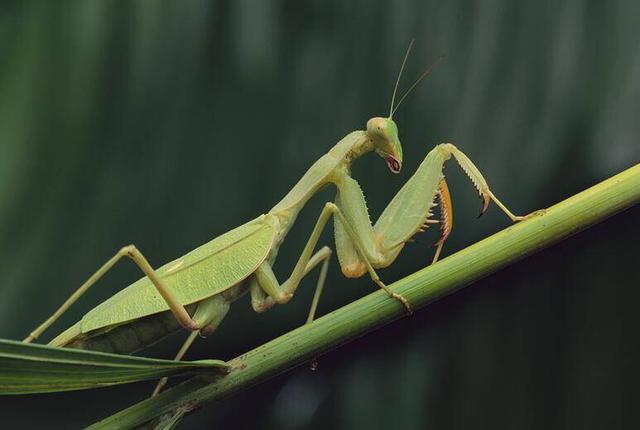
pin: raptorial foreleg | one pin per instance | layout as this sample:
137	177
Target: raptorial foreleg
408	213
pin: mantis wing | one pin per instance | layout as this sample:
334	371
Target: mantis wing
207	270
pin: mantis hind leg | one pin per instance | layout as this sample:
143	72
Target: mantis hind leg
130	251
208	315
266	291
181	352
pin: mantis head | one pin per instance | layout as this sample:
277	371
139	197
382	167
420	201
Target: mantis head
383	132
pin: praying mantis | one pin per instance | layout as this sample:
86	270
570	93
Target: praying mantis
195	291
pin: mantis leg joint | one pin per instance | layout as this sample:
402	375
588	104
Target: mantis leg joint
332	207
283	298
129	251
262	307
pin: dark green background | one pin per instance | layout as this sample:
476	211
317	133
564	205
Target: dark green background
165	124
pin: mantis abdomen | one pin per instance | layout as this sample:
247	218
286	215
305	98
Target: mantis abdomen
130	337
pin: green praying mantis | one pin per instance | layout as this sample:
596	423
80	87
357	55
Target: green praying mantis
195	291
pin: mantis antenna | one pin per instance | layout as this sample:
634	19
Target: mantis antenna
395	89
422	76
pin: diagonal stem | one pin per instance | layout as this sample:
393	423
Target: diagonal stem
377	309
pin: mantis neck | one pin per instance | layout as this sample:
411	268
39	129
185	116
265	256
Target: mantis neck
328	169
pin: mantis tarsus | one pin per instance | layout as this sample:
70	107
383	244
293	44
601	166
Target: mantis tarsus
196	290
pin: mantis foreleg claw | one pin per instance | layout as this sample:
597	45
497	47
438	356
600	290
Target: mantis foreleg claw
485	200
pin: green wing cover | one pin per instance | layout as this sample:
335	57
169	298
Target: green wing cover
207	270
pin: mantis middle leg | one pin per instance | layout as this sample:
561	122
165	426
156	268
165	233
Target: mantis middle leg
210	313
281	293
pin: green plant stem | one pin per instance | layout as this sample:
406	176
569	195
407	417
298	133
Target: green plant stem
377	309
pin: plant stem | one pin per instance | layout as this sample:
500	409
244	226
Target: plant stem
377	309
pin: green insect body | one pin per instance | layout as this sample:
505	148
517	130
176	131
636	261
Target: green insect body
196	290
222	270
138	316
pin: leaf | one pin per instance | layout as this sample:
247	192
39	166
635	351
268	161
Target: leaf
27	368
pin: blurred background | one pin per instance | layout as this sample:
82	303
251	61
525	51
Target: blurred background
165	124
